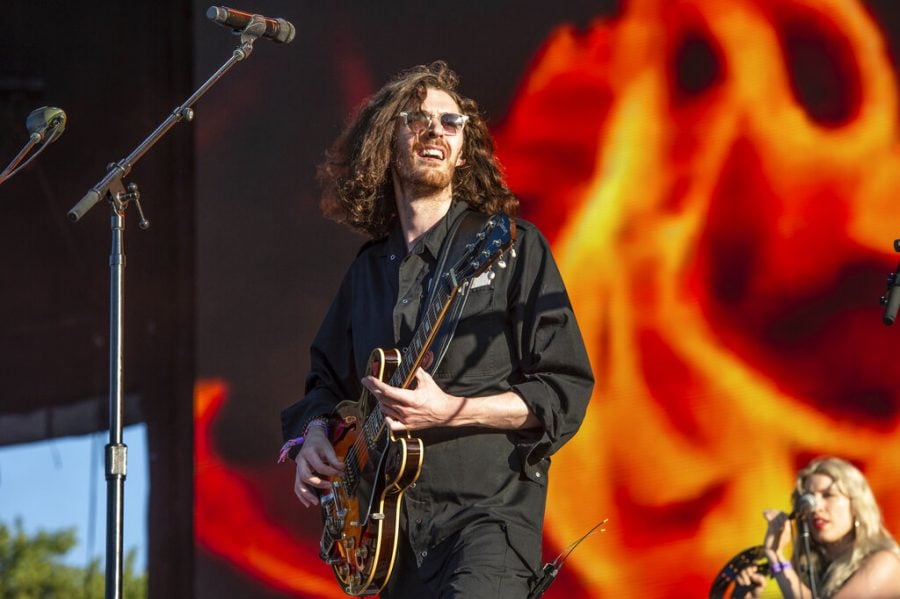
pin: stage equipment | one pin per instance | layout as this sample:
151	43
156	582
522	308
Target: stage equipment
112	188
45	125
891	299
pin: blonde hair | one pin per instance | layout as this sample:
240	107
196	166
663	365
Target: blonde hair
869	533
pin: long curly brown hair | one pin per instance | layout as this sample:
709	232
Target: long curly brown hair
355	176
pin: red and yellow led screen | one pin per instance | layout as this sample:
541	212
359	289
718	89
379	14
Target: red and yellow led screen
720	182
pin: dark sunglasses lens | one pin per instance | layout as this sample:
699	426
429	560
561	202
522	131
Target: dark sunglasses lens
452	122
417	121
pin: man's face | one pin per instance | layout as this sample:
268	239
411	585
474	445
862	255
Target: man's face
425	161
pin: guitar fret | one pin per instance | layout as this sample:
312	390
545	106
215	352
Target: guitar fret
350	478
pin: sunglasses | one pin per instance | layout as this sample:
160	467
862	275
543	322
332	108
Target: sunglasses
419	121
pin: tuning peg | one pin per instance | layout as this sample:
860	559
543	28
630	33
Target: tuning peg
491	274
512	252
501	263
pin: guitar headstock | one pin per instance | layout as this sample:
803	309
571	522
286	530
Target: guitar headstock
488	246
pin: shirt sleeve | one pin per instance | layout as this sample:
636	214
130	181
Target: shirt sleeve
332	370
557	380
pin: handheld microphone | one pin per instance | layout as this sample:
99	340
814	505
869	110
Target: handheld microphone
277	30
805	504
44	119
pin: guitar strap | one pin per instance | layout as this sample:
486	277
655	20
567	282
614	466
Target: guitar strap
462	233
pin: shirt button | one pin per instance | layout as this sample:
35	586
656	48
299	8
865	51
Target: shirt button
404	300
424	554
393	257
537	474
418	521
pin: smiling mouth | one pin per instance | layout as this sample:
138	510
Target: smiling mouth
431	153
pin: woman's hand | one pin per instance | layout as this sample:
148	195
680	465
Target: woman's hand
778	535
752	581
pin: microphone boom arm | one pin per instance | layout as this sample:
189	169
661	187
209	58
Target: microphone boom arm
119	170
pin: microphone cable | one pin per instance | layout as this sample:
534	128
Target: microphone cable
551	569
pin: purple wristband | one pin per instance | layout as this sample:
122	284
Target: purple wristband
779	567
286	448
292	443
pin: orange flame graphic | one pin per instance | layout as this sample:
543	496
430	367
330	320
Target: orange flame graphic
716	211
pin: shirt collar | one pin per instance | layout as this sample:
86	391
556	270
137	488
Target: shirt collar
434	238
431	241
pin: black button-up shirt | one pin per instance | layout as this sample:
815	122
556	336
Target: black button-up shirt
517	332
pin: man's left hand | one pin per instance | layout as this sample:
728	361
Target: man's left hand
424	405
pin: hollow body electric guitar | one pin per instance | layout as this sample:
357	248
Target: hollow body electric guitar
362	510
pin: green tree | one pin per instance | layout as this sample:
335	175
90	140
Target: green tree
32	568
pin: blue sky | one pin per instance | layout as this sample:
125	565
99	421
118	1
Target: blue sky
61	483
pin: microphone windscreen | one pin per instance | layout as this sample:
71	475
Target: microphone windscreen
41	118
805	503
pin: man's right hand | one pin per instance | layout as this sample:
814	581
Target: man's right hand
315	461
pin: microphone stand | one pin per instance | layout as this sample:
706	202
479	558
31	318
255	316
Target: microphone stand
810	571
50	134
8	172
114	190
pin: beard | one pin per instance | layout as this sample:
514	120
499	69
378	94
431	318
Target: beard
423	178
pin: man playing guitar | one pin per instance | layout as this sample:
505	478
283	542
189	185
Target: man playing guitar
475	427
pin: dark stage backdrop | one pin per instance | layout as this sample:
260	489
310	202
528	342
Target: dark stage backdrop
718	182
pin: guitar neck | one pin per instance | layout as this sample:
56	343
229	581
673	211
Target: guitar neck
488	245
412	356
431	322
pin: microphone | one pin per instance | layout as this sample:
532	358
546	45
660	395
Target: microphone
805	504
277	30
44	119
44	124
891	299
891	302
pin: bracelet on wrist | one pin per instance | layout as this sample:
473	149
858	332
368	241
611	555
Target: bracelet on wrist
317	422
292	446
778	567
